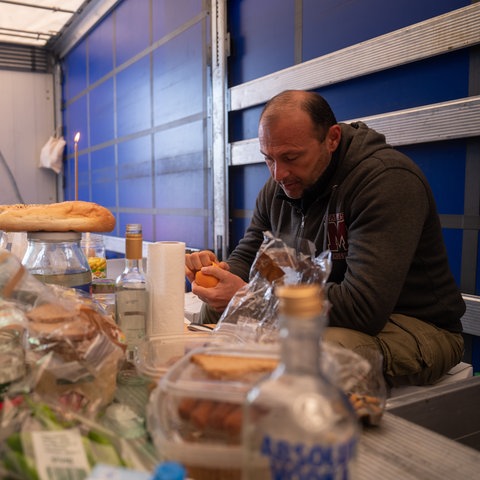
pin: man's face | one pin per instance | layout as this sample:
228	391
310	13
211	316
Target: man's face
293	151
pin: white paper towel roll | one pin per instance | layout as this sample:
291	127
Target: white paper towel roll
166	288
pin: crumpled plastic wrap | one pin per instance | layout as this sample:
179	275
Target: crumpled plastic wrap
73	349
31	432
251	314
251	317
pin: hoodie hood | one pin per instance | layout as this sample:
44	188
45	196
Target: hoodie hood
357	144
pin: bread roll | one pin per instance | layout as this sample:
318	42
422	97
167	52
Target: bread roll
76	216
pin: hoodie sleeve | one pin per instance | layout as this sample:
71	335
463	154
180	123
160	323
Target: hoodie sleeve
387	215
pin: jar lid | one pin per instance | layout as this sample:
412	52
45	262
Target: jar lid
55	236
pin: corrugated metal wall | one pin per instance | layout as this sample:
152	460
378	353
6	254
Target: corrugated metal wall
138	88
266	44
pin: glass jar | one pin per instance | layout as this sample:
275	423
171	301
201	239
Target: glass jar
56	258
94	249
12	358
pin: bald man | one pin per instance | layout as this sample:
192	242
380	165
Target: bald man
342	187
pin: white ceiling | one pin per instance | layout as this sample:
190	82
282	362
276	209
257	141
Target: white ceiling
35	22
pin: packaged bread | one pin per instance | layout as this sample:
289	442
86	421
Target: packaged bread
75	215
74	349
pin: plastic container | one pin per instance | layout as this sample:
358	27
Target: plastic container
154	357
195	417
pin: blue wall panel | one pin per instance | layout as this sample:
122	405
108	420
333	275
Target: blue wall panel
178	85
146	61
132	33
262	35
76	119
411	85
444	166
101	112
74	69
135	173
189	230
134	98
168	16
103	176
330	25
100	51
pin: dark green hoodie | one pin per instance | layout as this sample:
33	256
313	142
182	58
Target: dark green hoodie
388	253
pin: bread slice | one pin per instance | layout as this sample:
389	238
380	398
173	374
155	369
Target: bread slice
232	367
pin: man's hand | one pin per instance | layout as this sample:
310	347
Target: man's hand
195	261
228	283
219	296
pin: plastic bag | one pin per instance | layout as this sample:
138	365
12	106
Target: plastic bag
51	155
73	348
251	314
32	431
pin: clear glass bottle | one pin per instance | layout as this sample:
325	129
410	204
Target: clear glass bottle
57	258
131	292
296	423
94	249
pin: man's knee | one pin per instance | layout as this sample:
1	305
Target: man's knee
348	338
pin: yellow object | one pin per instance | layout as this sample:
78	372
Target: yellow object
98	266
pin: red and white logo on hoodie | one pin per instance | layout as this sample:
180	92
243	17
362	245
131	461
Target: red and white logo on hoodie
337	236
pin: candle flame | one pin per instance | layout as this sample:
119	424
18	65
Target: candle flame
77	137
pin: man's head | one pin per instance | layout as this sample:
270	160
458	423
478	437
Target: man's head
298	134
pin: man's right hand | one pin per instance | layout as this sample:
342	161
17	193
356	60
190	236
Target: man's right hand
195	261
219	296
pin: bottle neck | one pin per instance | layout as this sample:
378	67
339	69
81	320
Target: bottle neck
300	344
134	247
133	264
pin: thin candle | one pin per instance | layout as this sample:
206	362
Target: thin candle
75	140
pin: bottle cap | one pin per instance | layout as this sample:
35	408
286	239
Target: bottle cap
169	471
302	300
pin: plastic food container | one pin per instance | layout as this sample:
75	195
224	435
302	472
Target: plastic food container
194	414
154	357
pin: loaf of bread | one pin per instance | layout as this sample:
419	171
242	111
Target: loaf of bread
77	216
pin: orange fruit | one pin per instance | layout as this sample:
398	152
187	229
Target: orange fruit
207	281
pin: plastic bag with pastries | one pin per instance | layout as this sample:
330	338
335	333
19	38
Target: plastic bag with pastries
74	349
251	314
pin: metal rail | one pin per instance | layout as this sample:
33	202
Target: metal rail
438	35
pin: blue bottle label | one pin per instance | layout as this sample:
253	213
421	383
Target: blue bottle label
306	462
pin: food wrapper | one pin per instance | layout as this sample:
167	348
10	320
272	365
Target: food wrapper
251	317
31	432
73	350
251	314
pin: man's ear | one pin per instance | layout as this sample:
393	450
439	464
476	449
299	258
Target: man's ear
334	135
